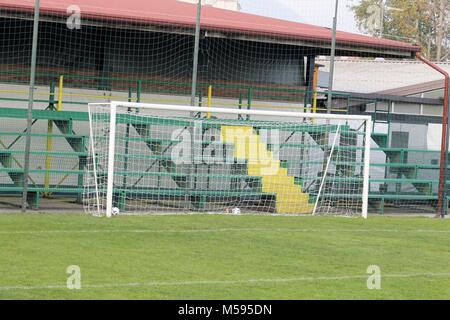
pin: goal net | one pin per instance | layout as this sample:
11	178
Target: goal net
153	159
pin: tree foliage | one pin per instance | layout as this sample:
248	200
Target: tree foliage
423	22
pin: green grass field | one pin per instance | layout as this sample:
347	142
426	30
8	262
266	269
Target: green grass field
223	257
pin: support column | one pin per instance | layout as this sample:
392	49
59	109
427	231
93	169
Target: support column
310	81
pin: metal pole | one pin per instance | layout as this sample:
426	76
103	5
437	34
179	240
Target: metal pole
381	18
442	191
196	51
333	55
30	104
446	190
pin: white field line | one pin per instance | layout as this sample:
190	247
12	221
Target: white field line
220	230
225	282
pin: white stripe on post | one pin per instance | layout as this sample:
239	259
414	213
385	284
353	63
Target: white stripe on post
111	158
366	185
94	164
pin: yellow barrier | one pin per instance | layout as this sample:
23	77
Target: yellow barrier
60	93
209	101
315	81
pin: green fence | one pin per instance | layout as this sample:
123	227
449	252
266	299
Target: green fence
59	170
60	139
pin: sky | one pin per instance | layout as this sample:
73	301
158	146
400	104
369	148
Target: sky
317	12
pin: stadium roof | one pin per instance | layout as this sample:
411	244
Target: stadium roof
384	77
224	23
417	88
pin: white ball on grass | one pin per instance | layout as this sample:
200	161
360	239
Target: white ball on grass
236	211
115	211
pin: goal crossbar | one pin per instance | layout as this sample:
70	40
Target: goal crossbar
288	114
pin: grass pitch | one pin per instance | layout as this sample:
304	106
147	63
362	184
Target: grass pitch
223	257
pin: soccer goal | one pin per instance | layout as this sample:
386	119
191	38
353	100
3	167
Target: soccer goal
156	159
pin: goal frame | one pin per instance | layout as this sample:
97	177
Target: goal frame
288	114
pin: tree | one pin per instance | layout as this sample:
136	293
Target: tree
423	22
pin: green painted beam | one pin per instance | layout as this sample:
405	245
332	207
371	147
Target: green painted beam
44	114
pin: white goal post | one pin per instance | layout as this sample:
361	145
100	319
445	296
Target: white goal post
152	158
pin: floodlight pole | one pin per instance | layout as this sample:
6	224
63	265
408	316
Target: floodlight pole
333	55
196	52
30	104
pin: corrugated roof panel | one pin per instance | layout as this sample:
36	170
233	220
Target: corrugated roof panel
177	13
